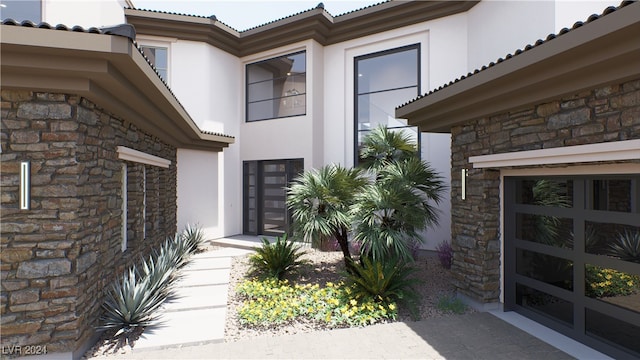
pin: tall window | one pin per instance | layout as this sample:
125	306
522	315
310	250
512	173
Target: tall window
277	87
20	10
159	58
384	80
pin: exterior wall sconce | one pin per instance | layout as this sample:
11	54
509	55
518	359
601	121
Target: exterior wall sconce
465	174
25	185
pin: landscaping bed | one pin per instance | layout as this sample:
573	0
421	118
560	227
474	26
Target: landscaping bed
434	288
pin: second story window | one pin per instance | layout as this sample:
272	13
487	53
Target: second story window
277	87
384	80
20	10
159	58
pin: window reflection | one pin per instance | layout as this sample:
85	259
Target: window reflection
549	269
614	240
544	303
383	81
277	87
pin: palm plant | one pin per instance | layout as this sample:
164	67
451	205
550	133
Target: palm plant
277	259
393	209
320	201
382	146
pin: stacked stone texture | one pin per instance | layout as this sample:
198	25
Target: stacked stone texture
606	114
59	258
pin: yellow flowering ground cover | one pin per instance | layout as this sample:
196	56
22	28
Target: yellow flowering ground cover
603	282
272	302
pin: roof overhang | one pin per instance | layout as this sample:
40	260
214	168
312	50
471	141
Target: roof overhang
314	24
604	51
109	71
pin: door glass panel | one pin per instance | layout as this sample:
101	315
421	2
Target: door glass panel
613	330
548	230
549	269
545	304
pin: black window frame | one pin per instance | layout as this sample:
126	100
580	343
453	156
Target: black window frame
356	132
247	84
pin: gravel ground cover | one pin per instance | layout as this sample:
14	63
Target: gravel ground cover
323	267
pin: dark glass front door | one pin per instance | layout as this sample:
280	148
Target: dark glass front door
572	257
265	208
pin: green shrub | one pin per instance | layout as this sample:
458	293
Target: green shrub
271	302
388	280
603	282
451	304
277	259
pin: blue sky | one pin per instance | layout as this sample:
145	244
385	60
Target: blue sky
244	14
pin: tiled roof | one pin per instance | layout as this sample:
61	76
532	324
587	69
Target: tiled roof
102	31
212	17
539	42
44	25
319	6
363	8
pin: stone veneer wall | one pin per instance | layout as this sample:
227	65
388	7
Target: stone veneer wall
610	113
59	257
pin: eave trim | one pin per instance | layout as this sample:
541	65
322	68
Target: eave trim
609	151
128	154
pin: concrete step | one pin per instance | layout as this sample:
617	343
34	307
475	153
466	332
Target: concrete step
241	241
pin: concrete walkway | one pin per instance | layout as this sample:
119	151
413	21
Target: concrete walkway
193	328
472	336
196	315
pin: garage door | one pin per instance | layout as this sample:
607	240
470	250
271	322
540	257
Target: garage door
572	257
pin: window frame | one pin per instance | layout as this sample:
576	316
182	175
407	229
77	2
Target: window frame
356	59
159	46
247	84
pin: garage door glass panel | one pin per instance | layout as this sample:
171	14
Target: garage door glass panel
613	240
613	330
610	195
548	230
613	286
546	268
541	302
545	192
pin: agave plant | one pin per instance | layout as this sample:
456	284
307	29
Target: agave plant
133	300
193	238
132	303
627	246
388	280
277	259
